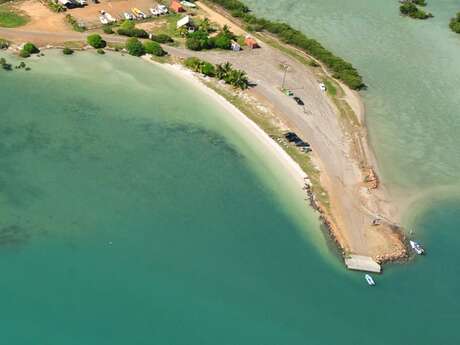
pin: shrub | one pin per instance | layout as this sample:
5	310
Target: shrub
30	48
162	38
108	29
134	47
24	54
134	32
199	40
96	41
153	48
74	23
411	10
455	24
67	51
222	41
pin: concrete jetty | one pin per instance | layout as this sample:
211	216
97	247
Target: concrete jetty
362	263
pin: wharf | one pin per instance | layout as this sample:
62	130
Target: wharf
362	263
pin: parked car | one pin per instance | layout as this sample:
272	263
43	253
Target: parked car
322	87
298	100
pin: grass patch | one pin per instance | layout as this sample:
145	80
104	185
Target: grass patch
75	44
331	87
11	19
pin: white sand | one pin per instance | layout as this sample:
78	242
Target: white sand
291	167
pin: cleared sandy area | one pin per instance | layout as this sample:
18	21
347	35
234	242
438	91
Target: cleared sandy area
42	18
90	14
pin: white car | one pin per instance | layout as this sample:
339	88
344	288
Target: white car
163	9
103	20
128	16
322	87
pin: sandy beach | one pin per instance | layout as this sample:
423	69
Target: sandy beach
291	167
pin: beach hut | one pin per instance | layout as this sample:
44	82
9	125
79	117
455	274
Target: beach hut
177	7
187	23
251	42
235	46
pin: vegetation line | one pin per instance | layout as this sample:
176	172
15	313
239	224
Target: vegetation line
341	69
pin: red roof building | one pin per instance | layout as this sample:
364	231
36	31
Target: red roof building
177	7
251	42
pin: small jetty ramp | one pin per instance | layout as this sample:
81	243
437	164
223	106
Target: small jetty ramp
362	263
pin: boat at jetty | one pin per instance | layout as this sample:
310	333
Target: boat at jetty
369	280
417	247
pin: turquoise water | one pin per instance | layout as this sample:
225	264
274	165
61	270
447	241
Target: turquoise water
134	211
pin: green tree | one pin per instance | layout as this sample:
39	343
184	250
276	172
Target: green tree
134	47
153	48
205	25
455	24
67	51
96	41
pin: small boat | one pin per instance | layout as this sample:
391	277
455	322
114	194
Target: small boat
417	247
369	280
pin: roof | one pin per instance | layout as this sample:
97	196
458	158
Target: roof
184	21
176	6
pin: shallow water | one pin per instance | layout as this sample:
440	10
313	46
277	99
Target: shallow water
133	211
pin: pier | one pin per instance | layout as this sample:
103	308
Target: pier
362	263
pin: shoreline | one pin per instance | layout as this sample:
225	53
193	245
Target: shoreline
295	171
346	190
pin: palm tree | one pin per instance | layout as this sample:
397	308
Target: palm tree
238	78
205	25
220	71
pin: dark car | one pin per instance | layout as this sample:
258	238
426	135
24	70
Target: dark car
298	100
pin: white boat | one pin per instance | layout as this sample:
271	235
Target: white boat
155	12
417	247
128	16
162	9
369	280
110	18
188	4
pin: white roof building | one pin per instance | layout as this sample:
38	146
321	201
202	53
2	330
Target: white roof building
186	21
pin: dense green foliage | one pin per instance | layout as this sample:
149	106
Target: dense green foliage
411	10
134	47
96	41
28	49
153	48
455	23
67	51
74	23
107	28
341	69
128	28
200	39
162	38
10	19
225	72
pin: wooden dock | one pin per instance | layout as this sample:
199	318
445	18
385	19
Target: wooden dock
362	263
